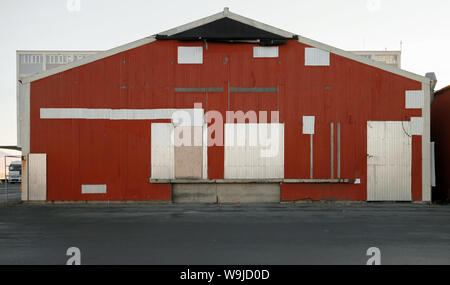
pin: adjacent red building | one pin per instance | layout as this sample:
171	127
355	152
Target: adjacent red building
338	126
440	135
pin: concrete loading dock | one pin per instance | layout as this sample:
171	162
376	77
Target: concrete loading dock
313	121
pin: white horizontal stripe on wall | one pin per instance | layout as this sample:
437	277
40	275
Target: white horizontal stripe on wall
93	189
316	57
265	52
414	99
183	117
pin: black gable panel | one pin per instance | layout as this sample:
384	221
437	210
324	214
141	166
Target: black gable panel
224	29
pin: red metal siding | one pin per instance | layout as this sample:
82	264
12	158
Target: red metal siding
440	134
117	153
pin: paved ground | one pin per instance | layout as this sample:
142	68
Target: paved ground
12	191
214	234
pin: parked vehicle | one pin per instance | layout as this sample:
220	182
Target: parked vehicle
15	172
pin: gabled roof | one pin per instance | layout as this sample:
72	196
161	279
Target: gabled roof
227	26
213	27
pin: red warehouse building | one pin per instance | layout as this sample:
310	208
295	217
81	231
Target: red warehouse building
440	135
225	109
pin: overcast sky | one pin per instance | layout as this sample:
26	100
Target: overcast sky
422	25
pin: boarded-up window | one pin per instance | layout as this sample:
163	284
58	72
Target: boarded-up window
417	126
414	99
190	55
254	151
316	57
308	125
188	152
162	152
265	52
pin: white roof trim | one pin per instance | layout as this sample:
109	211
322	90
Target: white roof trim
226	13
361	59
88	59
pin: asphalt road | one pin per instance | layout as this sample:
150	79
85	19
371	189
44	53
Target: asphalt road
215	234
10	192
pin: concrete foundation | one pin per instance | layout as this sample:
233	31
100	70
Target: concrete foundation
226	193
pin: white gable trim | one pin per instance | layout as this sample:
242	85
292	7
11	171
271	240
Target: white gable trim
87	60
236	17
366	61
227	14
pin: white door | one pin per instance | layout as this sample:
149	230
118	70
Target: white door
37	177
388	161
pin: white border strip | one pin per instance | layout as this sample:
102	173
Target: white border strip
194	117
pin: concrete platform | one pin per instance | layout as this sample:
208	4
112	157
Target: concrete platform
226	193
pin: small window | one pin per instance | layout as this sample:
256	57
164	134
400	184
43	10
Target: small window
190	55
316	57
265	52
308	125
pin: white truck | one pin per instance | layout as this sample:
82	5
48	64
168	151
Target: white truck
15	172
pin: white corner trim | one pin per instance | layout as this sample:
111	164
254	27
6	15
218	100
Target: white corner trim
88	59
426	155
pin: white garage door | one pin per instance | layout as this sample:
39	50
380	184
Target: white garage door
388	161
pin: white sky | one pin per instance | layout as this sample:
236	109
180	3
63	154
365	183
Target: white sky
422	25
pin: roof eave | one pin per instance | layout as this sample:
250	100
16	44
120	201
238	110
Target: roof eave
88	59
361	59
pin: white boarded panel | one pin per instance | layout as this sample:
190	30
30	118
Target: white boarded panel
414	99
182	117
93	189
433	164
254	151
308	125
265	52
388	162
190	55
417	126
316	57
37	177
162	151
205	152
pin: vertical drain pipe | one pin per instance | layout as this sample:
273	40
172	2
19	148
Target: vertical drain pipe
332	150
311	157
339	150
